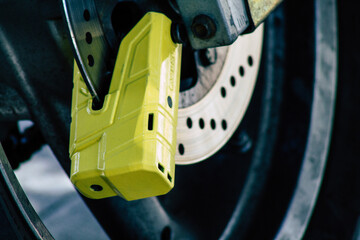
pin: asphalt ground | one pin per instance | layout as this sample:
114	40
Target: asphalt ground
55	200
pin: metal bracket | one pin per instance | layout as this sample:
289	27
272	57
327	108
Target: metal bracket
213	23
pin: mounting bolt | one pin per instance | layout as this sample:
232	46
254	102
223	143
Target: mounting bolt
203	27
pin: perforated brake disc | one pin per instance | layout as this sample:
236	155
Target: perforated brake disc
209	112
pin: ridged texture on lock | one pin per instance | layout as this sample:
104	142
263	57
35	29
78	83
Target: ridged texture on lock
127	148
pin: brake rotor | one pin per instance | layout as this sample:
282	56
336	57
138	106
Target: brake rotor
89	45
209	112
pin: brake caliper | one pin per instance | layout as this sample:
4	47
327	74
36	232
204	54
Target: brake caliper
127	147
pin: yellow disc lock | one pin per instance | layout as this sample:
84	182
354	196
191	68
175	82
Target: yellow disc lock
127	148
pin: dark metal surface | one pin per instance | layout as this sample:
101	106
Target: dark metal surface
141	219
12	106
213	23
203	27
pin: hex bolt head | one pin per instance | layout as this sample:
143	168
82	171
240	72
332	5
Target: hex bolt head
203	27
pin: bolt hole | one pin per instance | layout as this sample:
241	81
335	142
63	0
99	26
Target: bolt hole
91	61
151	122
242	71
201	123
203	27
212	124
224	124
160	167
88	38
96	188
169	177
250	61
181	149
189	122
223	92
169	100
86	15
166	233
200	30
233	81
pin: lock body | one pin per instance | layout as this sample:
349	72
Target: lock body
127	147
